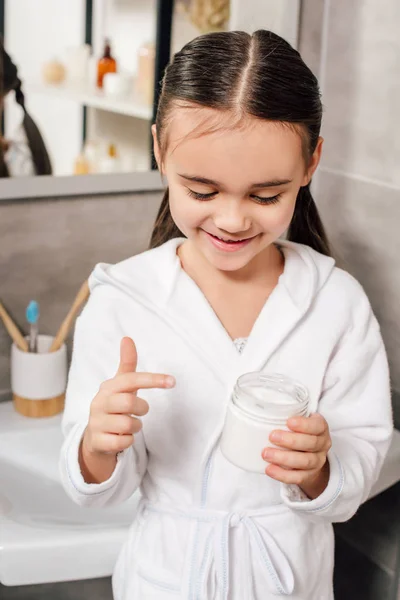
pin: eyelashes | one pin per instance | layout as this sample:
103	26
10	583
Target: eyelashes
199	196
258	199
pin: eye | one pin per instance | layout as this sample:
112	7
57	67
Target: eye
267	200
258	199
199	196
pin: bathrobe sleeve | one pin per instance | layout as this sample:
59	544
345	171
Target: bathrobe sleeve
95	358
356	403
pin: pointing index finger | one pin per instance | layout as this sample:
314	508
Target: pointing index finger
132	382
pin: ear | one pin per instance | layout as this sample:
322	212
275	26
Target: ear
315	160
156	147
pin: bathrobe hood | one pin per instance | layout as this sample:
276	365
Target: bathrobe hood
306	272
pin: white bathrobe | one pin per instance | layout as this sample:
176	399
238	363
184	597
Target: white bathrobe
206	529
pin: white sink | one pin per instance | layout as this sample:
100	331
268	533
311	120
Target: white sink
39	501
44	536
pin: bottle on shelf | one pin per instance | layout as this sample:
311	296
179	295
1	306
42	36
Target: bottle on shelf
91	152
81	165
145	73
111	162
106	64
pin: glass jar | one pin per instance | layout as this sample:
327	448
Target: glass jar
259	404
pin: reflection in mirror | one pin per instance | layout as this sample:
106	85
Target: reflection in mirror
88	80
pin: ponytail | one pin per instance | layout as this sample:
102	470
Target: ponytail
164	227
40	156
306	226
9	81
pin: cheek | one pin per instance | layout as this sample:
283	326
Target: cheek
277	218
186	212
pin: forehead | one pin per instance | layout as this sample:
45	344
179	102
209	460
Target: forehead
208	143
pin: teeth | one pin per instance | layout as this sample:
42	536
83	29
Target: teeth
222	240
225	240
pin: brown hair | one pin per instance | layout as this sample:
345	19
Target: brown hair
259	75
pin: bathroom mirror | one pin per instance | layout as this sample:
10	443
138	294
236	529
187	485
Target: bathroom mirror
86	71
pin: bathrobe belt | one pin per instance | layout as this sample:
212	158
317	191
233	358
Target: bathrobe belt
276	571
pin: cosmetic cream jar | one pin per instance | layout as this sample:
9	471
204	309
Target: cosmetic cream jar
260	403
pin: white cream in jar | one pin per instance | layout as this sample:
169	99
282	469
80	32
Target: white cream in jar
259	404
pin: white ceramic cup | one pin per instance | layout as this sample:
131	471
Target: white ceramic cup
117	85
39	375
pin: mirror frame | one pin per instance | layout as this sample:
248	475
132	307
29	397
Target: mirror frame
49	186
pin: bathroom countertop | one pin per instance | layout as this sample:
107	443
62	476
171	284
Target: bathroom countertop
10	420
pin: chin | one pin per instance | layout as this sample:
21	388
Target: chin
230	262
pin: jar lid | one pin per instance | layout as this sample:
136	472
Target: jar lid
272	397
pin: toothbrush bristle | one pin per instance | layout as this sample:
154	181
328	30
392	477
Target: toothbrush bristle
32	312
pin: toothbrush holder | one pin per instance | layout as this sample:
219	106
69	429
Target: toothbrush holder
39	379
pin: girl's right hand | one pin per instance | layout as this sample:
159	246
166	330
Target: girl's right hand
114	411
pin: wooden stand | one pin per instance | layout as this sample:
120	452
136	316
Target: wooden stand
39	408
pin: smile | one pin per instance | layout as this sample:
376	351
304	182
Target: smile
226	244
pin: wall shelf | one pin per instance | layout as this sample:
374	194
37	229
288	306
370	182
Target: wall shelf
91	97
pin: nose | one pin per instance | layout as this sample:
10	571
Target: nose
230	216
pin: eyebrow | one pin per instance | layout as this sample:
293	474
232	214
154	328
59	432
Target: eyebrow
262	184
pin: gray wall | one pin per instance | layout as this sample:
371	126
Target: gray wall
48	248
357	58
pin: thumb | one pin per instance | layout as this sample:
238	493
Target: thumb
128	356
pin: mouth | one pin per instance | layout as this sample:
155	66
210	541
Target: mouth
226	244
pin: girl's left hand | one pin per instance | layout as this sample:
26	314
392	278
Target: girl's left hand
304	461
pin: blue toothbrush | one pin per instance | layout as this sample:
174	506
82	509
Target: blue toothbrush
32	316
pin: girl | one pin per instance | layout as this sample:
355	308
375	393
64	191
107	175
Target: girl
219	294
26	154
